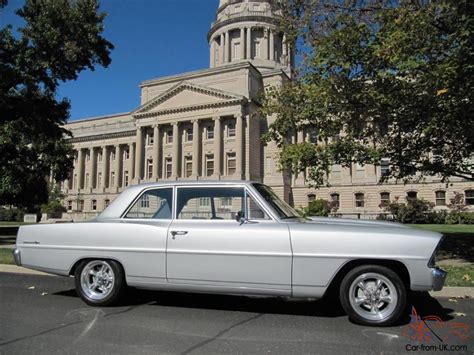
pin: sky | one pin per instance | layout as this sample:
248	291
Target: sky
152	38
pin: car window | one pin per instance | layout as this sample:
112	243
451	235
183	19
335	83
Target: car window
216	203
153	204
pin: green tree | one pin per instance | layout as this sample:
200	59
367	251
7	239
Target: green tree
60	39
378	79
54	207
318	207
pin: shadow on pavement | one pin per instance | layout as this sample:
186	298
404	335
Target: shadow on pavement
327	307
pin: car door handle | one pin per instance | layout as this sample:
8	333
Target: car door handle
175	233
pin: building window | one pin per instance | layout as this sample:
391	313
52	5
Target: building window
149	139
126	154
112	178
209	164
188	166
112	156
106	203
385	167
149	168
88	157
74	182
384	199
256	49
311	198
236	51
99	157
469	197
169	137
145	201
94	205
204	201
231	163
335	200
359	199
125	178
336	171
313	136
69	205
226	201
412	195
99	180
231	130
80	205
440	198
168	167
360	171
210	132
87	180
189	135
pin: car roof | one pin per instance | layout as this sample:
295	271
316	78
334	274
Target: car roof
123	200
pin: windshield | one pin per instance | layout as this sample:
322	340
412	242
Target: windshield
283	210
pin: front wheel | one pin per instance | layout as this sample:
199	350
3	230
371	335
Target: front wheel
99	282
373	295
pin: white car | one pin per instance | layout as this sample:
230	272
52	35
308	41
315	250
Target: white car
237	238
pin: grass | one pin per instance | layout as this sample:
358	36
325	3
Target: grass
12	224
6	256
460	275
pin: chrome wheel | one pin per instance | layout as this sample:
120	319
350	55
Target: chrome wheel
373	296
97	280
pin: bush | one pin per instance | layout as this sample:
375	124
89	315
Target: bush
11	215
460	218
414	211
53	209
319	207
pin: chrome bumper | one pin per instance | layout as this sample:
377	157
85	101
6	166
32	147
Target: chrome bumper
17	256
438	277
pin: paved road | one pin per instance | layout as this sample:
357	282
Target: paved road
161	322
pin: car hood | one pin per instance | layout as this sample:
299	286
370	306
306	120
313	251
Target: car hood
354	222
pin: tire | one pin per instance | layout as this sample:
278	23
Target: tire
373	295
99	282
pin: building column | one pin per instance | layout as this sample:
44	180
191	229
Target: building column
222	49
93	170
176	152
284	50
156	151
80	169
212	49
196	151
104	167
249	43
227	47
272	46
239	138
139	155
131	173
242	43
118	164
217	147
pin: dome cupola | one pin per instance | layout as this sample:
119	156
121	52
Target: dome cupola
246	30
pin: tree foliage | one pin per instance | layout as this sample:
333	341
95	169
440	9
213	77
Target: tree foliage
60	39
378	79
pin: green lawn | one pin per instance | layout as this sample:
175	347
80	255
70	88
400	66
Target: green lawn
460	275
6	256
447	228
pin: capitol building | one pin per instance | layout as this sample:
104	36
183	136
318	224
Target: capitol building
206	125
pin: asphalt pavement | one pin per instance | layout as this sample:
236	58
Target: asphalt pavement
43	315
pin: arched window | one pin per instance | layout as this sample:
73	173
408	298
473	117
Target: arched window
384	199
311	198
359	199
335	200
412	195
469	197
440	197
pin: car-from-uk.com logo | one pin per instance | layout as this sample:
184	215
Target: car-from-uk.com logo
431	333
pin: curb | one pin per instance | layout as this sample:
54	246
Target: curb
467	292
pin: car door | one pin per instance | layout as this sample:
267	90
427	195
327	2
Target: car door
208	246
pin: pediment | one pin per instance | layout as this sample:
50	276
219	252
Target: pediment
185	96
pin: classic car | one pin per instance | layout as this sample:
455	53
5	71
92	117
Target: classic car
234	237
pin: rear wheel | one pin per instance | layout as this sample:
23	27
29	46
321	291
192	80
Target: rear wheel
373	295
99	282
